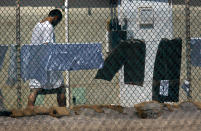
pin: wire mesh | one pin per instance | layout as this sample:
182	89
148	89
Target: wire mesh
119	52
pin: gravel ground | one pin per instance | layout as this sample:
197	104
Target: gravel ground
180	119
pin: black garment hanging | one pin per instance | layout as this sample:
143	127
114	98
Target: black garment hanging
131	54
116	34
167	68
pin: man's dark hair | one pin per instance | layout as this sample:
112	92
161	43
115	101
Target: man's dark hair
54	13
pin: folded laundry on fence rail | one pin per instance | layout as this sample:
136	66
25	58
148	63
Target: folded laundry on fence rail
36	60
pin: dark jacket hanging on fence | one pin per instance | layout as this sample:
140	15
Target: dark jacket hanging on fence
167	67
131	54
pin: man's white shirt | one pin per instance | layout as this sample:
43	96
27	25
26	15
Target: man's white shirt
43	33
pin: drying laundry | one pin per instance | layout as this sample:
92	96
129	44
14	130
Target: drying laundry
167	66
196	51
37	60
131	54
12	69
3	50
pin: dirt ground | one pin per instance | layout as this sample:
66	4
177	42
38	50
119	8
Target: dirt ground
184	119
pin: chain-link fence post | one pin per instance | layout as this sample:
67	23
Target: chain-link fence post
18	42
67	73
188	42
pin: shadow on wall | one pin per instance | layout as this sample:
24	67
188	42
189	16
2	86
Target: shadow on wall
182	2
59	3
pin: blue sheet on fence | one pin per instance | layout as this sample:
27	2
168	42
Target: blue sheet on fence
196	52
36	60
3	50
12	69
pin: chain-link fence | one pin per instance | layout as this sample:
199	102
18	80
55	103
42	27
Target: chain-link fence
105	52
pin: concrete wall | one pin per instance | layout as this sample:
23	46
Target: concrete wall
58	3
152	35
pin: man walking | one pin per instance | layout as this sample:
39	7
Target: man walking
43	33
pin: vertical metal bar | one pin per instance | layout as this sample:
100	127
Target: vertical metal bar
18	42
66	21
67	40
188	42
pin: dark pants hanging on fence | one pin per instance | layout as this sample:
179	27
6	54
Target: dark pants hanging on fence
167	66
131	54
